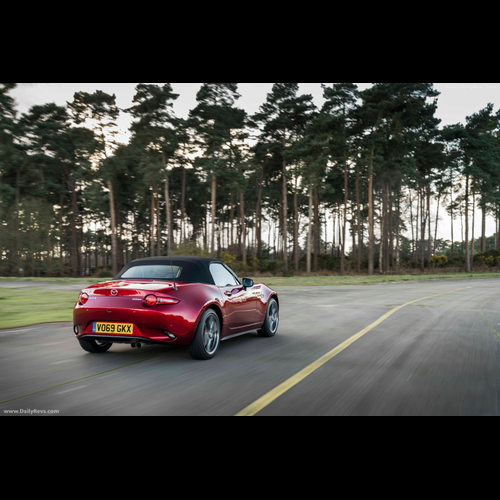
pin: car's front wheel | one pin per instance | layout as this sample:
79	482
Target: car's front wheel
271	321
207	337
90	345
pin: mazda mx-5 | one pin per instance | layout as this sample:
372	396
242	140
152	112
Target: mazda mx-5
191	301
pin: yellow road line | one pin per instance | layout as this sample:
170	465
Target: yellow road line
275	393
489	322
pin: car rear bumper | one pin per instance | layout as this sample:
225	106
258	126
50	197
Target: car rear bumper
120	339
150	326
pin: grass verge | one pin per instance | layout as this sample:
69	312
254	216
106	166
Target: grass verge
20	307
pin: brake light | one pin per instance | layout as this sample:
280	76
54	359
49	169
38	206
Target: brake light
152	300
83	298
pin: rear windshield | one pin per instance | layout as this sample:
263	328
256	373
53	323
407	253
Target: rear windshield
153	272
183	271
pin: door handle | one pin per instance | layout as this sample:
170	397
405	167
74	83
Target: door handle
228	293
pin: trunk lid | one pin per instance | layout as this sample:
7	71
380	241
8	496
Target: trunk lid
127	294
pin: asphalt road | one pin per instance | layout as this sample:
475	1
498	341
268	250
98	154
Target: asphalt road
437	356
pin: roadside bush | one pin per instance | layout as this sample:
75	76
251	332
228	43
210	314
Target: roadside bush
228	259
455	259
104	273
325	262
439	260
272	266
489	258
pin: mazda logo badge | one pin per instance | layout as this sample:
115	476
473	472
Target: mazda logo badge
114	292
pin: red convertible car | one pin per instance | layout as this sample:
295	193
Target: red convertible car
190	301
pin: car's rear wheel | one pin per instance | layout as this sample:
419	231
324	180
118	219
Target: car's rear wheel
90	345
271	321
207	337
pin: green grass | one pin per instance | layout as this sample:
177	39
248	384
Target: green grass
20	307
363	280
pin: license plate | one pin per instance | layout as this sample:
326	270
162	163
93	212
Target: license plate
121	328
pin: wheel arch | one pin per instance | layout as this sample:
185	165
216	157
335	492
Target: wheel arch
217	310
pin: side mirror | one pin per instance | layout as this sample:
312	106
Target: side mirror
247	283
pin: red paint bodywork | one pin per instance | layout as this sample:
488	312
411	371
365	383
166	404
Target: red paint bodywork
240	310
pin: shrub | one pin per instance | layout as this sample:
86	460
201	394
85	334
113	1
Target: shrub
228	259
105	274
456	259
439	260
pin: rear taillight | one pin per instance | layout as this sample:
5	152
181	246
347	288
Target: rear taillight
152	300
83	298
166	301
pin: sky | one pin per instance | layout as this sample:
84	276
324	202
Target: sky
455	102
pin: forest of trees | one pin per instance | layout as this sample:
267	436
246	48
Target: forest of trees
254	190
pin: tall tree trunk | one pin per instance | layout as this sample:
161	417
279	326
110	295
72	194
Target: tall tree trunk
152	224
119	244
360	239
243	229
472	238
158	226
353	232
342	256
370	216
295	229
183	204
114	245
74	237
497	239
169	216
309	231
231	222
317	229
214	200
385	191
467	255
411	225
339	225
462	232
285	213
205	234
258	221
17	225
381	250
333	235
398	224
422	229
483	229
429	245
436	225
390	231
451	214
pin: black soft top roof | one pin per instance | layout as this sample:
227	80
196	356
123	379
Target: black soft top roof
194	269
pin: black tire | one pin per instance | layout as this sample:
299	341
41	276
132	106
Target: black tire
90	345
271	321
206	340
